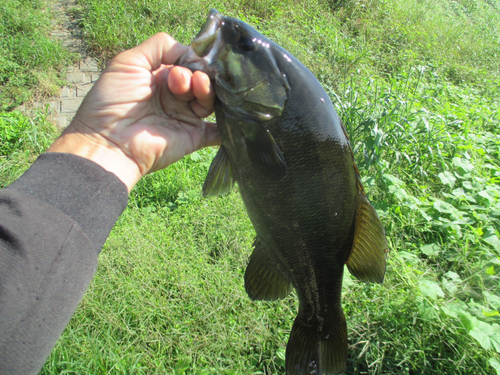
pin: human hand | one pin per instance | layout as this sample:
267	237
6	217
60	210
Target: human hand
142	114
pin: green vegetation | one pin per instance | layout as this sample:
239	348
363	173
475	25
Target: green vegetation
22	139
417	83
30	61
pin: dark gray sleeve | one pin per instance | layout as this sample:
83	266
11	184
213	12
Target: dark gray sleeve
53	223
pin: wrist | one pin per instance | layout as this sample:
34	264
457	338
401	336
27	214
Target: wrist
96	148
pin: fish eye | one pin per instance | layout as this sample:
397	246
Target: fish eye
230	33
245	44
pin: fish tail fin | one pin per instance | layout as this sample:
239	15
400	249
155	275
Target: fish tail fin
317	351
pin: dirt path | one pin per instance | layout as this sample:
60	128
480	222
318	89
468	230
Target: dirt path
81	77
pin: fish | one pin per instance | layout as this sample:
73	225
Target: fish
286	147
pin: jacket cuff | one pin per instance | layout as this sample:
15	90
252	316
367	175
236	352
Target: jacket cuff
93	197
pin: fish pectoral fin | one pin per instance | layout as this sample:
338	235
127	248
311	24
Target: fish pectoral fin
263	280
220	178
265	153
368	257
317	350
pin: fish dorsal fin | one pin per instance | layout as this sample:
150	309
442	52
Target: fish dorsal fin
263	280
220	178
264	153
367	261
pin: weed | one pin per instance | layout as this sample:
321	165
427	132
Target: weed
22	139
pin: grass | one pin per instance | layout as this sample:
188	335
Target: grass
31	62
417	85
22	139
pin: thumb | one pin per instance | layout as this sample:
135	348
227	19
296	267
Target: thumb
150	54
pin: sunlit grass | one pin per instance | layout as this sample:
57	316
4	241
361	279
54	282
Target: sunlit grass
22	139
31	62
417	84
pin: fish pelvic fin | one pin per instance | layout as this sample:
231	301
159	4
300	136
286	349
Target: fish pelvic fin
220	178
317	351
368	257
263	280
265	153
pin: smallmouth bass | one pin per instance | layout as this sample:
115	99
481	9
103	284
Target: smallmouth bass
285	145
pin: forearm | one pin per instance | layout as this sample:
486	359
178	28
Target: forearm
81	141
54	221
81	189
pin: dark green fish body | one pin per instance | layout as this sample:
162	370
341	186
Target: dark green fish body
286	147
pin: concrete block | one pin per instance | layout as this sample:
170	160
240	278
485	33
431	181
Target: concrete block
73	69
95	76
82	90
60	34
67	93
71	43
88	77
62	121
89	65
71	106
77	78
53	106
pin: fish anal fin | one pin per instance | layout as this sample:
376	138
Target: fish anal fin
368	257
317	351
220	178
263	280
265	153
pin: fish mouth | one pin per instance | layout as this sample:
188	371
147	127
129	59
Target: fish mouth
205	47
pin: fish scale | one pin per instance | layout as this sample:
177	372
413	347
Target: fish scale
285	145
